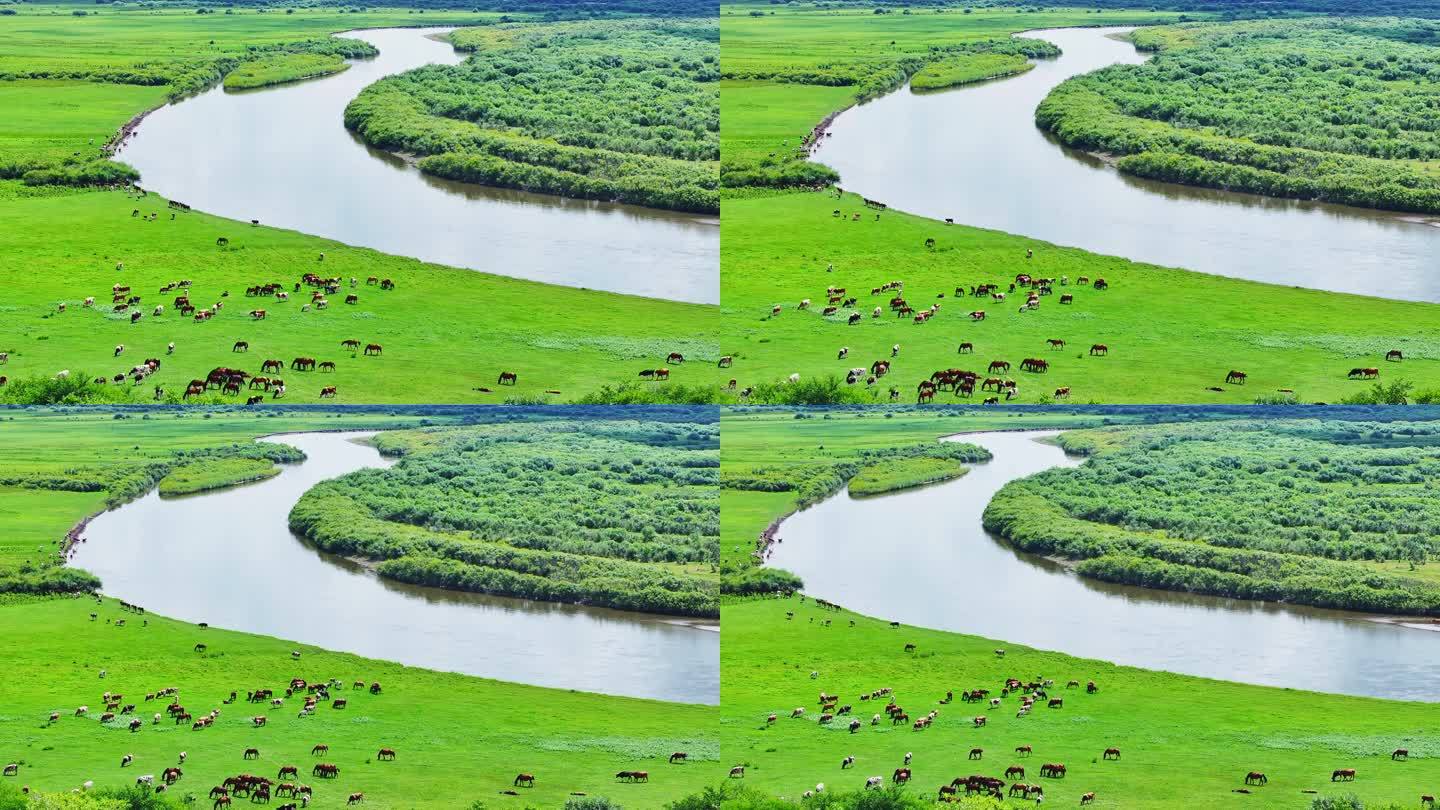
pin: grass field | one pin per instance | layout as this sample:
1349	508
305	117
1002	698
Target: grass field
458	740
192	478
446	332
891	476
1172	335
1184	742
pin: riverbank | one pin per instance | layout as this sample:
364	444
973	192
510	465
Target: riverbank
767	659
283	70
456	737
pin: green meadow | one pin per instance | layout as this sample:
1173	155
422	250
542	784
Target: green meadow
460	741
446	333
1173	335
1184	741
289	67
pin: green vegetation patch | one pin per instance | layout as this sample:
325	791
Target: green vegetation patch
1289	511
892	476
623	111
970	69
288	67
1344	110
620	514
191	478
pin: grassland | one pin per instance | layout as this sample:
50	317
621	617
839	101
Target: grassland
1184	741
458	740
892	476
284	68
191	478
1173	335
446	332
967	70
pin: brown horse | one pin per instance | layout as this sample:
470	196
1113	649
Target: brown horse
1099	350
385	754
1112	753
508	378
373	348
1235	378
1343	775
525	779
1255	778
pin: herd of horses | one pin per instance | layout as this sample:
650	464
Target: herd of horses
1024	694
122	713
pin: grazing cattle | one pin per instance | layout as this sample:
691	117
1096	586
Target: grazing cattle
1062	393
1067	298
356	798
1086	798
1255	778
737	772
875	783
259	721
1112	753
508	378
1056	703
373	348
12	769
1235	378
1400	753
977	315
674	357
1100	284
327	391
681	756
257	314
1364	373
352	299
1343	775
1394	355
980	721
900	776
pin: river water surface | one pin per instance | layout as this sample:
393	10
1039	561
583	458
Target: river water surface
282	155
922	557
229	558
974	154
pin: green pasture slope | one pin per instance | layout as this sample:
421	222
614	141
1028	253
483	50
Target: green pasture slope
1184	741
446	332
459	740
1173	335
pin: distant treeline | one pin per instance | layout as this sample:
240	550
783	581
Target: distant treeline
623	110
594	512
1341	110
1289	511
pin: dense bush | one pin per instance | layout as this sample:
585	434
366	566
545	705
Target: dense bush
585	511
1320	109
610	110
1293	511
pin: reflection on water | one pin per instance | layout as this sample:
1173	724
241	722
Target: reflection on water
974	154
229	558
282	155
922	557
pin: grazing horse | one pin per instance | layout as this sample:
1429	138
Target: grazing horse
252	753
1056	343
1099	350
1023	750
901	776
678	756
302	363
1235	378
385	754
373	348
319	750
1087	798
356	798
1255	778
525	779
1400	753
272	365
1343	775
1394	355
1112	753
508	378
1053	770
1015	771
737	772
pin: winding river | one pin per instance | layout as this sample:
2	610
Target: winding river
282	155
974	154
228	558
922	557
